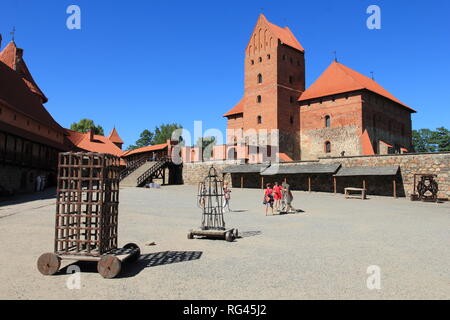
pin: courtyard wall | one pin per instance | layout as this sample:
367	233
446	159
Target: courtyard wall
424	163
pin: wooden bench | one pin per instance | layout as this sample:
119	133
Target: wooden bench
362	190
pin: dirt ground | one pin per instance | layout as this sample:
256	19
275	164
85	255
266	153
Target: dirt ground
323	252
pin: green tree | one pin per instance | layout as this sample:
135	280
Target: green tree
146	139
159	136
85	125
441	138
164	132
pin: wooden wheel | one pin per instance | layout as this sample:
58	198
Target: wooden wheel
109	266
229	236
236	233
137	252
48	264
190	236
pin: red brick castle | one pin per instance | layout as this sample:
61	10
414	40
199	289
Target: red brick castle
342	113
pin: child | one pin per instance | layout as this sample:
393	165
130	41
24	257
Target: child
226	196
268	197
277	195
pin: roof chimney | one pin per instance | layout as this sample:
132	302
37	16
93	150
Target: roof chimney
1	40
91	135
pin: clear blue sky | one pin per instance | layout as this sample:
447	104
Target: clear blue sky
137	64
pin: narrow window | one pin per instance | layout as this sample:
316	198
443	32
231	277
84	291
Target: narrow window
284	57
327	147
260	78
259	119
291	120
327	121
252	62
260	59
268	57
258	99
291	79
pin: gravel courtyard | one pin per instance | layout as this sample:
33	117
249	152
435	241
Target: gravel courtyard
320	253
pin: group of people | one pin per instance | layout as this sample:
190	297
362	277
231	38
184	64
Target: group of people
278	196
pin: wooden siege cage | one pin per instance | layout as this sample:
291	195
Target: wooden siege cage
87	204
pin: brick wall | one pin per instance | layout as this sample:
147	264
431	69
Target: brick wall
438	163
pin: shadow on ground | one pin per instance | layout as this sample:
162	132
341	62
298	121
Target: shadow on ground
131	269
49	193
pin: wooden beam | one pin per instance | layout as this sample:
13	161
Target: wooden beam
394	184
364	183
242	181
262	182
335	185
309	184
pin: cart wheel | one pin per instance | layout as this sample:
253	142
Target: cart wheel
109	266
229	237
48	264
190	236
236	233
137	253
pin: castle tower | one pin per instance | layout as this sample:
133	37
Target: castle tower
274	80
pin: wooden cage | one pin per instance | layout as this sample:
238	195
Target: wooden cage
87	204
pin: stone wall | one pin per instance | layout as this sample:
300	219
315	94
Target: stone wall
437	163
193	173
21	180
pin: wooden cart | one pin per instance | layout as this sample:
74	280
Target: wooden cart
87	208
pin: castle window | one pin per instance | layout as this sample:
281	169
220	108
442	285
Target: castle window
260	78
291	120
258	99
259	120
291	79
260	59
327	121
284	57
252	62
268	57
327	147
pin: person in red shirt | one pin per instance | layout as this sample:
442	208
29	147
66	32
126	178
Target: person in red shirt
277	195
268	197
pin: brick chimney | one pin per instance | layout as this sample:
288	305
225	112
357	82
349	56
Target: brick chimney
91	135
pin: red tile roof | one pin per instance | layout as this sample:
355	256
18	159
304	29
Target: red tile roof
157	147
338	78
100	144
237	109
367	147
284	157
12	57
15	94
114	137
284	34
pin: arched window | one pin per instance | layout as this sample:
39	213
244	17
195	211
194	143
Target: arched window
327	121
260	59
258	99
259	119
260	78
327	147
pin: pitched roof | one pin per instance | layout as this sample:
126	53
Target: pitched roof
237	109
338	78
100	144
284	157
367	171
284	34
12	57
157	147
114	137
302	169
15	94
